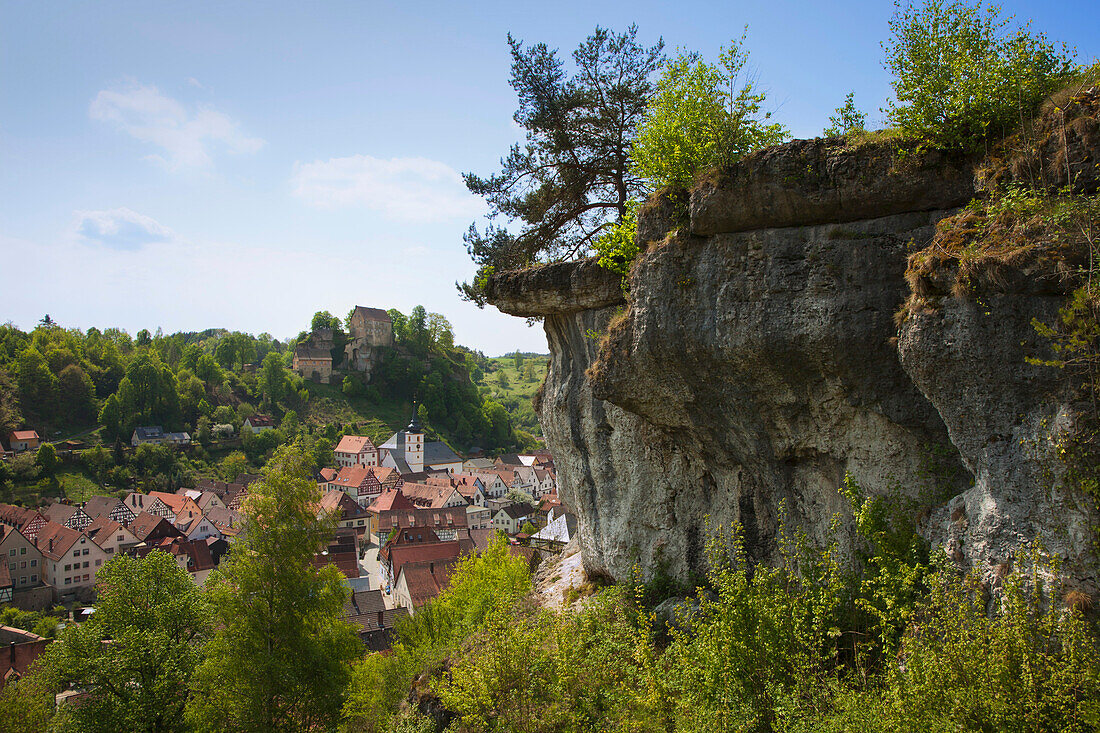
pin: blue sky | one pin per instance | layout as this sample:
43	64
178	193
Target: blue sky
202	164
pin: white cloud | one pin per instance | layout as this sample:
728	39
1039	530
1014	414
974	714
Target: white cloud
119	228
184	136
408	189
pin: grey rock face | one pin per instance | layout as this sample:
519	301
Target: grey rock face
753	367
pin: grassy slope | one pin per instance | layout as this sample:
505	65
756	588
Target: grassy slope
519	390
327	404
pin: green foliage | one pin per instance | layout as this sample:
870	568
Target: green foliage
702	116
280	659
572	177
961	76
617	246
848	120
135	656
481	588
46	459
1032	666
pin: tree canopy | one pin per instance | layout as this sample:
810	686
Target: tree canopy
280	659
572	178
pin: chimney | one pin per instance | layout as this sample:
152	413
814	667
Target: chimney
379	623
431	568
12	648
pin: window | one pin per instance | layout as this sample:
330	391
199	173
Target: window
22	550
12	552
85	577
68	568
76	553
98	563
85	563
122	538
85	549
13	565
68	581
23	565
34	578
34	563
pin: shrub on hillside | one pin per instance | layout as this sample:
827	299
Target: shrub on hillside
962	76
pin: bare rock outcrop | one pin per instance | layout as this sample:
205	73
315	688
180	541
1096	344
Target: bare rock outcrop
757	362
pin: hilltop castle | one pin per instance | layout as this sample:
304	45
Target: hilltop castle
369	330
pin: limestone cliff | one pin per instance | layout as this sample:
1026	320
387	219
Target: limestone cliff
757	361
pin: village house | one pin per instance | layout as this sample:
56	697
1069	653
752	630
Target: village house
148	435
70	558
364	483
479	517
470	486
193	556
447	524
420	582
183	507
18	651
67	515
511	518
21	558
7	585
343	552
350	515
475	465
311	362
228	521
355	450
150	528
205	500
111	507
259	423
366	609
196	526
23	440
412	545
389	500
429	496
138	503
493	485
112	537
27	521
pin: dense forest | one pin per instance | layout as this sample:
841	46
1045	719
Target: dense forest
94	387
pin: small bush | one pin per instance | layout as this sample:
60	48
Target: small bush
961	76
702	116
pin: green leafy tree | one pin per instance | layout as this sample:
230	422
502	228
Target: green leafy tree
703	116
572	178
281	658
10	417
46	459
233	465
273	378
517	361
961	75
847	120
135	656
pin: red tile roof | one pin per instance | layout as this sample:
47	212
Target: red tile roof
54	540
426	580
390	500
355	444
423	553
24	435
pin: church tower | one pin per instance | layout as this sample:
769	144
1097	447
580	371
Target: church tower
414	445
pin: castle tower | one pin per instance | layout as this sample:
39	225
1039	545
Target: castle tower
414	445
